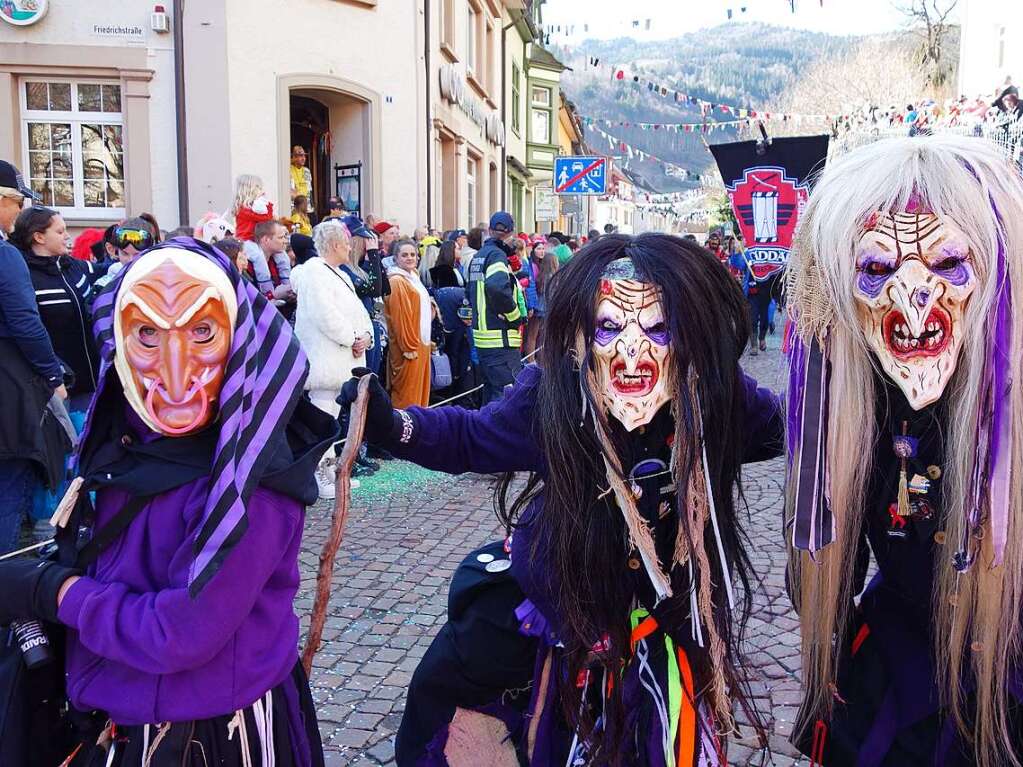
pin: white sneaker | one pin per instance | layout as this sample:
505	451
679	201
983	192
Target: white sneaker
325	482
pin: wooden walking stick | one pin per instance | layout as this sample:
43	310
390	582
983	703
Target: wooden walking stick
342	503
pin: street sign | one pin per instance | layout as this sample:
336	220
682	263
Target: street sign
546	204
580	175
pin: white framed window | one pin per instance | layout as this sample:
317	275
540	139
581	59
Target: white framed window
541	126
516	99
72	135
471	182
470	38
541	96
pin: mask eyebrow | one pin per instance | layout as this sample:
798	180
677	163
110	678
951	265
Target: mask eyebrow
207	295
147	310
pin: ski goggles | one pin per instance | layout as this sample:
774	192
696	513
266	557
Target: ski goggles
140	239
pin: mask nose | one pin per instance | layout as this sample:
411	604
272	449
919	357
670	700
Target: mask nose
914	295
175	370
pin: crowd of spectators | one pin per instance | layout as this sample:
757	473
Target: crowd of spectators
361	295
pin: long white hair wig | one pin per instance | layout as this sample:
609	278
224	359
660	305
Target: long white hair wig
978	610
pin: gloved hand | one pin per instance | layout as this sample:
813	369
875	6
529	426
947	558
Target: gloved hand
29	587
379	411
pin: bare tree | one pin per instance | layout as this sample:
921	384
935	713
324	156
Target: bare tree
929	21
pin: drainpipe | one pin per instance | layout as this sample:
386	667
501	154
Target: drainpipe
429	119
504	114
179	111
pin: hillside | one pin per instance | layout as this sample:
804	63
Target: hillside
741	65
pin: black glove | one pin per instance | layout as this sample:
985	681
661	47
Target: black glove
380	415
28	589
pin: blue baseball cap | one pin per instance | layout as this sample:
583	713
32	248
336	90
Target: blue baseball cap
502	222
455	234
356	227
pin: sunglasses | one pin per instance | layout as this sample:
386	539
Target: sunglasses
140	239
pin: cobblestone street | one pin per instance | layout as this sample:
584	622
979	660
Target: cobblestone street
410	528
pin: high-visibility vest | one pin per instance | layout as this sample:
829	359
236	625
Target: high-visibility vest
491	330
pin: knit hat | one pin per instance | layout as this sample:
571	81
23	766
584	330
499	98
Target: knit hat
382	226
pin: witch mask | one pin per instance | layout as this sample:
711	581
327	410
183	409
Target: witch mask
173	321
914	278
630	346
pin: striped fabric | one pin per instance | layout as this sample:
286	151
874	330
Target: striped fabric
264	376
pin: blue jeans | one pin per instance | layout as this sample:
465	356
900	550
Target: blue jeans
18	481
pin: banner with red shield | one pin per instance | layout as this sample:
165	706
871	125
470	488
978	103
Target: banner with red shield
768	184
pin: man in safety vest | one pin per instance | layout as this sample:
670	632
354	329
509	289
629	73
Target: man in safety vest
496	317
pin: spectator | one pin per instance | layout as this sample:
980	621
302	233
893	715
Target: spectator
365	271
233	249
269	264
593	235
473	243
85	244
409	319
250	206
428	252
335	208
302	247
154	227
30	374
63	294
387	234
445	273
300	216
548	268
609	228
496	316
301	178
130	238
63	288
537	254
331	323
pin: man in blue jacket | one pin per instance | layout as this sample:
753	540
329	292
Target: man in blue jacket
31	372
496	317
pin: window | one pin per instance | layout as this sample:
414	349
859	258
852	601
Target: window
541	97
516	91
495	185
447	26
73	134
488	57
470	39
471	180
516	199
541	126
1001	47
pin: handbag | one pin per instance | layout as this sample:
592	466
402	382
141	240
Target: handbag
440	371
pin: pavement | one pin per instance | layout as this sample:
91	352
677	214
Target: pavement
409	528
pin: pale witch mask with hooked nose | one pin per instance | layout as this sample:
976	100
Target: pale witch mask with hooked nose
631	349
914	278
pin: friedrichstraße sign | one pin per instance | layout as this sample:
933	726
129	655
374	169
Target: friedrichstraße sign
580	175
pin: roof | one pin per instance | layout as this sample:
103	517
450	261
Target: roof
541	57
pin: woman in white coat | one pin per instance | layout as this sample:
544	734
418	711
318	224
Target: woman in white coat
331	322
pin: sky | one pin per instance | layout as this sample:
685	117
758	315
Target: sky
670	18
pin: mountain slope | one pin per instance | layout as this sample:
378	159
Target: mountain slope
746	65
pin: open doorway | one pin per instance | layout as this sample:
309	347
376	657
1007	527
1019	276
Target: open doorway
310	129
334	128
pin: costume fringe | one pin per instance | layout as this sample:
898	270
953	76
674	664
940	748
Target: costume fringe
640	534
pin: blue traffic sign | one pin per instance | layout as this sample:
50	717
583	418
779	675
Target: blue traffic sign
580	175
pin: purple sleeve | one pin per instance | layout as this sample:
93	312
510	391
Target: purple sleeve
167	631
765	422
499	438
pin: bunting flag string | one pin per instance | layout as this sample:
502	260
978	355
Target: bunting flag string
672	169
